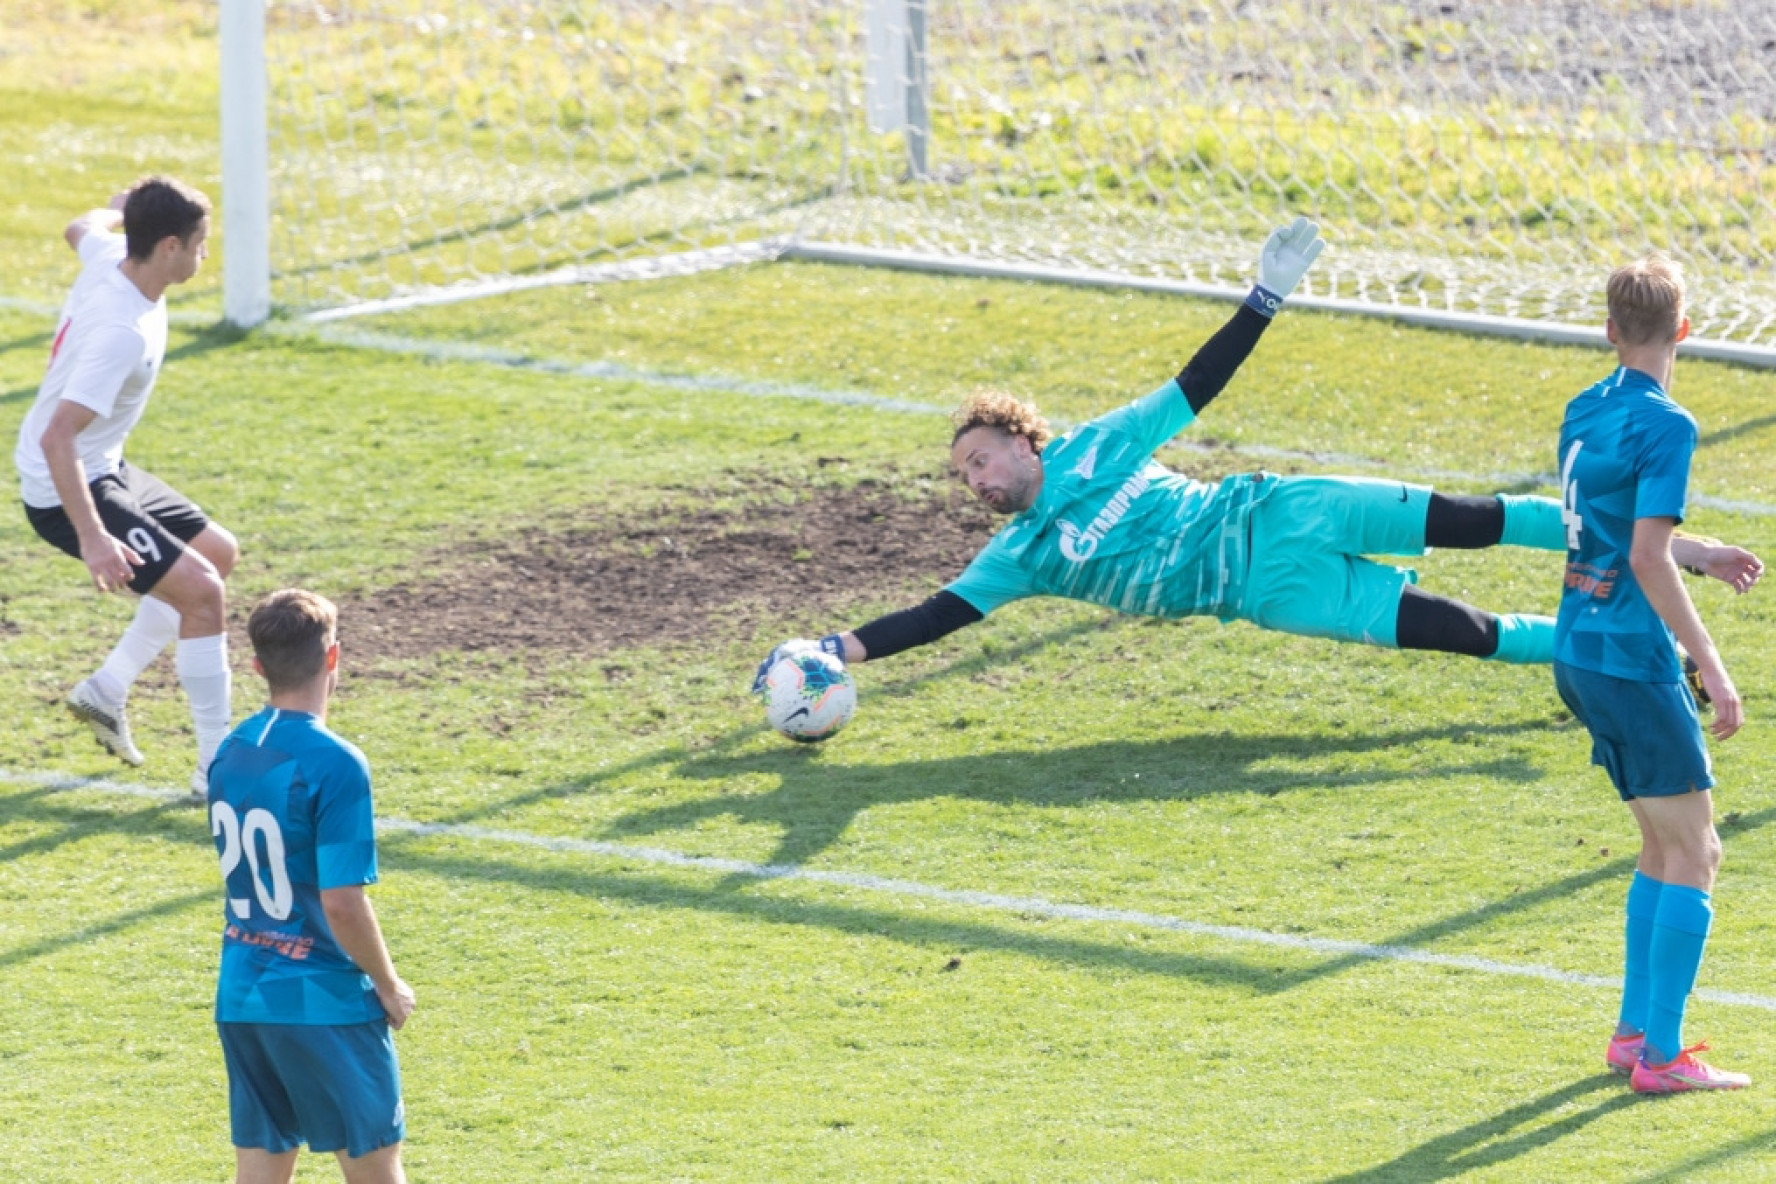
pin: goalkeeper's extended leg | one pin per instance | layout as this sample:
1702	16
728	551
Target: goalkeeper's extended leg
1368	516
1514	519
1429	622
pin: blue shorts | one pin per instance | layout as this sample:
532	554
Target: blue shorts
1645	735
1308	574
336	1088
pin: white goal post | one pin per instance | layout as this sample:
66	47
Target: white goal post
1479	164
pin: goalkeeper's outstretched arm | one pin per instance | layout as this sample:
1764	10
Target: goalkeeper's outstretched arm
1287	254
1210	369
939	615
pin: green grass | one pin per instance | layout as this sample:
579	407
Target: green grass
601	1015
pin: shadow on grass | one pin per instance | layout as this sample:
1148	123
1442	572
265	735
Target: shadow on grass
218	335
677	755
1735	433
1490	1142
44	947
73	823
1424	935
212	337
36	807
1698	1167
815	803
1249	972
942	936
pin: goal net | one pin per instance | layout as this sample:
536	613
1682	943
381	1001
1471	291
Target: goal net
1487	157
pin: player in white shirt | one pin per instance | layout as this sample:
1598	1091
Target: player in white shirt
132	530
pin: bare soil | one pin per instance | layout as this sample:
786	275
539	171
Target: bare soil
598	587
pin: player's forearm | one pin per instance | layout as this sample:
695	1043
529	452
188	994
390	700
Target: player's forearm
1664	590
1691	550
69	476
939	616
1215	363
352	919
106	221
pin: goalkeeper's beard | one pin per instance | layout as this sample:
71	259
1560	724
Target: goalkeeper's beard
1014	498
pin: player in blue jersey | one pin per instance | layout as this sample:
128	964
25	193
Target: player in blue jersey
1095	518
1624	461
307	993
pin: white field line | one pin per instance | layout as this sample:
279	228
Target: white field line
628	271
1028	906
718	384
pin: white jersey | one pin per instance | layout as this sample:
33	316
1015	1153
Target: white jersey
107	353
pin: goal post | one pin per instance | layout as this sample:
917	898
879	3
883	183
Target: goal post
246	181
1490	160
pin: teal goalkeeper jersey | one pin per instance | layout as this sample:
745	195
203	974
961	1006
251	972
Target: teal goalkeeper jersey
1114	527
290	812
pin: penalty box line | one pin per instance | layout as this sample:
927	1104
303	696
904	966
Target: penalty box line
989	901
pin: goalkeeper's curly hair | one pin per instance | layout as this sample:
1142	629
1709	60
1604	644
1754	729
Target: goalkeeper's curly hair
996	409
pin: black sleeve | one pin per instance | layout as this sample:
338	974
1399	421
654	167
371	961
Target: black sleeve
1216	361
943	613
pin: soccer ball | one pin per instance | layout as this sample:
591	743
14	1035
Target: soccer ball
808	695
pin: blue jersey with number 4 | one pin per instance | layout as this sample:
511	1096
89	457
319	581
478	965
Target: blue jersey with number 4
1625	452
290	813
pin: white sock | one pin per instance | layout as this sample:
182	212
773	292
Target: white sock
155	626
203	672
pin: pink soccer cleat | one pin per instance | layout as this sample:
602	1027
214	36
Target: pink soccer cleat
1624	1053
1685	1073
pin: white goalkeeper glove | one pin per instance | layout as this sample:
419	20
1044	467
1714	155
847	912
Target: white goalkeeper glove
832	644
1288	253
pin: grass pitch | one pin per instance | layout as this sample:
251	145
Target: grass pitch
971	937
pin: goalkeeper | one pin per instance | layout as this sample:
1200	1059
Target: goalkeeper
1094	518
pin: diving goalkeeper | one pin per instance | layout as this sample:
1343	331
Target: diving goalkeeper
1095	518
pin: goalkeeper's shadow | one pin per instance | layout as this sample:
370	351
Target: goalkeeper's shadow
736	739
816	801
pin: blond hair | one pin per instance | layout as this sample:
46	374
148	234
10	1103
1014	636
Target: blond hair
291	632
996	409
1646	300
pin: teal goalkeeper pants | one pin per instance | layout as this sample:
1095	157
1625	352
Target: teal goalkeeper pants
1309	573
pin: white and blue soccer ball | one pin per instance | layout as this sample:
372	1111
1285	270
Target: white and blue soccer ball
808	695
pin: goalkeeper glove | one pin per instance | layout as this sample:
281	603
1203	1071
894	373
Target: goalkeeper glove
1288	253
832	644
792	646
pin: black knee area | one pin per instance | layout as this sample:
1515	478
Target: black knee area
1464	522
1428	622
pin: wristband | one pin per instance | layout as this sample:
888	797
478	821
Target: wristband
1263	301
834	644
1695	571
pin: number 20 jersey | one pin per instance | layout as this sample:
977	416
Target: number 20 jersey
291	815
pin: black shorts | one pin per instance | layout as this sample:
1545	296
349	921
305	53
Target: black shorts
138	509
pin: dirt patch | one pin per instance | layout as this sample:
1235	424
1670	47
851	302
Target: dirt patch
597	587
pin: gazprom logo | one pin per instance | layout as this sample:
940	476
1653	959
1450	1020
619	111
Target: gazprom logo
1079	545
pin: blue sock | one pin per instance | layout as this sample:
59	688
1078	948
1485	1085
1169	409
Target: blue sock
1680	930
1637	977
1524	639
1532	522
